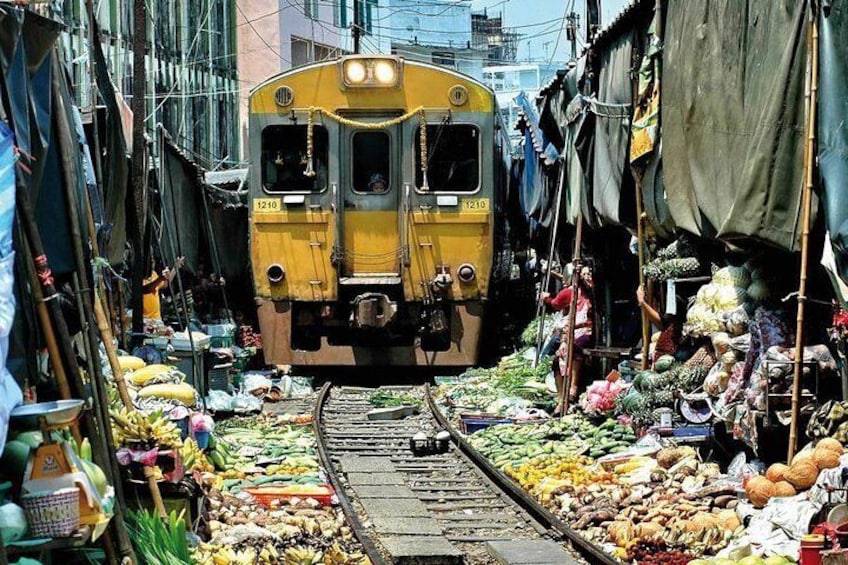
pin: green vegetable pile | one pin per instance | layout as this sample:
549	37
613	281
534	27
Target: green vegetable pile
514	444
159	541
386	399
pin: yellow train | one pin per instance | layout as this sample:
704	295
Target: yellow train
378	188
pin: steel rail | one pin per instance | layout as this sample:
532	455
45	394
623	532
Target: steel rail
359	530
587	549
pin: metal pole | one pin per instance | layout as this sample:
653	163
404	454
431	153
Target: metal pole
540	306
809	167
357	25
139	170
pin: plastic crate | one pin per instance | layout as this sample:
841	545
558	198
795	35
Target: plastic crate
221	341
266	496
470	425
219	377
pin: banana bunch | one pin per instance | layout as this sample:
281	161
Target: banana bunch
193	457
130	426
209	554
299	555
335	555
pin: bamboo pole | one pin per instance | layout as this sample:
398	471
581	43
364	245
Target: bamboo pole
809	167
572	315
104	441
540	307
640	235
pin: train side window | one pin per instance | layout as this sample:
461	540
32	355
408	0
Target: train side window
453	158
284	159
371	161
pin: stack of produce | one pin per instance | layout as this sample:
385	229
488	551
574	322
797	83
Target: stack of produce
781	480
269	451
512	445
656	388
721	305
159	386
132	429
676	261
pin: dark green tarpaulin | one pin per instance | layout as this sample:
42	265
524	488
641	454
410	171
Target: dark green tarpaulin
613	193
833	125
733	117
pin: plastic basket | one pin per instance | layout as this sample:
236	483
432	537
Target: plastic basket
53	514
219	377
470	425
222	341
266	496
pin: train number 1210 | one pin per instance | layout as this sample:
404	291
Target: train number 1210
475	204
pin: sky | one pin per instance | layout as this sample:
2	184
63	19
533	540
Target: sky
539	22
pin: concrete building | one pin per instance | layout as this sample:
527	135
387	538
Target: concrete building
279	35
508	81
191	68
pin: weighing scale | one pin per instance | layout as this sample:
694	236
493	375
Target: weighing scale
54	464
695	408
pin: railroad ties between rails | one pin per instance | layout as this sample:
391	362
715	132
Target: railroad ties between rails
443	508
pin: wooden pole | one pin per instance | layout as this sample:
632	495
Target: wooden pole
640	235
809	168
572	315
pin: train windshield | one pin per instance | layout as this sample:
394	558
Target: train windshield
371	161
453	158
284	159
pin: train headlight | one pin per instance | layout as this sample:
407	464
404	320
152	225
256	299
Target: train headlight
364	71
355	72
384	72
275	273
466	273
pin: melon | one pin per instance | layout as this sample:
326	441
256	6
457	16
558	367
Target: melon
776	560
759	490
32	439
803	456
783	489
802	474
825	458
777	472
751	560
831	444
14	459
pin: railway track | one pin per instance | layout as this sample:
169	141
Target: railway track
444	508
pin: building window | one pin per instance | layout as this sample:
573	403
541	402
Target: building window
340	13
284	159
453	158
371	150
310	9
444	58
301	51
366	15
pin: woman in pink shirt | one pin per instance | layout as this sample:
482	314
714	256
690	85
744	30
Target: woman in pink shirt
582	331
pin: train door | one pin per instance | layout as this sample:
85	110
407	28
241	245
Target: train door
371	182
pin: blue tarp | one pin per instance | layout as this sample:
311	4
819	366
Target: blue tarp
10	393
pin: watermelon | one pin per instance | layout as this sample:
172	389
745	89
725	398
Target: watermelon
14	460
664	363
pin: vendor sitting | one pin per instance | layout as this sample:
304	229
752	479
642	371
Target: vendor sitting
670	325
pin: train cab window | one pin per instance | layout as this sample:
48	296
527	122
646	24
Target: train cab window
284	159
453	158
371	161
